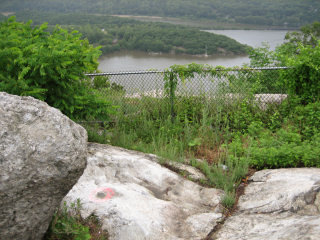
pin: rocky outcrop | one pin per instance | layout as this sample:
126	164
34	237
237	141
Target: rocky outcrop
278	204
136	198
42	155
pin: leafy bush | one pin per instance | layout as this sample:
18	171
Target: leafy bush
301	53
102	83
303	79
281	149
307	119
50	67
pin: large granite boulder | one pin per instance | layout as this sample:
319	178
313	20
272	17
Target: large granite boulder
42	155
136	198
278	204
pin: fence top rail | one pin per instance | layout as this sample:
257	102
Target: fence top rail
163	71
122	73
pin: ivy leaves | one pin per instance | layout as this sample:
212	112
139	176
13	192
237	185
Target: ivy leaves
186	72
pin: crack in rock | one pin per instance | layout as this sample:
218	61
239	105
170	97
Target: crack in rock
285	205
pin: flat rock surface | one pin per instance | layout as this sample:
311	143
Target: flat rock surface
278	204
42	154
136	198
186	170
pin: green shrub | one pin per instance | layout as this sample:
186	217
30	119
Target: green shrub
301	53
102	83
303	79
307	119
284	148
50	67
189	108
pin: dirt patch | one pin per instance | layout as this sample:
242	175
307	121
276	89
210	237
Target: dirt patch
212	155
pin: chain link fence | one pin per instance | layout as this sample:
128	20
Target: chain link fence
135	91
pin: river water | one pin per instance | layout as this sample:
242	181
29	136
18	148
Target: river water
130	61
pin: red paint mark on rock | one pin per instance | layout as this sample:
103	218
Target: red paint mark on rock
101	194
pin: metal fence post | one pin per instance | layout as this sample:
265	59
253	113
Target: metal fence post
172	96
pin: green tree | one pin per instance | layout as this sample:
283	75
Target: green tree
303	78
50	67
308	35
300	52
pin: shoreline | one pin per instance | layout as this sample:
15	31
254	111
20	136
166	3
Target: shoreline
204	24
161	54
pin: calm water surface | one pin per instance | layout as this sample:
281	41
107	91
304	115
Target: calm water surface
255	38
129	61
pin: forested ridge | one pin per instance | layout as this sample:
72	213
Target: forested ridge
290	13
116	34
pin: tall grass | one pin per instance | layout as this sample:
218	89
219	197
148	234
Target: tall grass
216	132
201	129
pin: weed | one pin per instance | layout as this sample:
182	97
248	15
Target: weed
228	199
67	224
226	175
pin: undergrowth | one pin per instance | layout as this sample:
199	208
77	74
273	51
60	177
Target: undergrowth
67	224
228	138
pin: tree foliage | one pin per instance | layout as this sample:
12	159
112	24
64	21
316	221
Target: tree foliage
301	53
50	67
303	79
308	35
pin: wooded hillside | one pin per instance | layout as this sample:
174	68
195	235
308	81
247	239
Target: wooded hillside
116	34
288	13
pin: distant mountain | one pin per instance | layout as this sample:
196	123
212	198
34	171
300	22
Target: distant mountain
287	13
